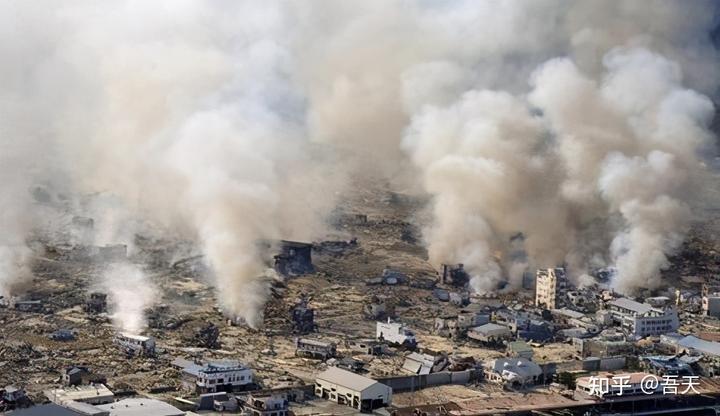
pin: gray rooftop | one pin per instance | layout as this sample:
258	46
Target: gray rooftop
489	328
519	366
141	407
45	410
697	344
346	379
637	307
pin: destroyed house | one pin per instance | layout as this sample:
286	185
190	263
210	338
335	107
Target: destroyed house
513	372
490	333
214	376
135	345
454	275
667	365
77	375
417	363
350	389
62	335
311	348
96	303
268	404
303	318
294	258
348	363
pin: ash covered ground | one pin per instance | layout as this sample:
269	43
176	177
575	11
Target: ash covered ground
386	228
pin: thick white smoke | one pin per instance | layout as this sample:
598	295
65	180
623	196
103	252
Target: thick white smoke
130	294
574	123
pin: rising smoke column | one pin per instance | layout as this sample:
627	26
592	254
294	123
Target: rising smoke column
130	293
630	145
201	118
622	152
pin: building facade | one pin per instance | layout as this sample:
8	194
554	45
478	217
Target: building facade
549	286
354	390
641	319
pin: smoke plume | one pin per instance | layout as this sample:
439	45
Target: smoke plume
581	125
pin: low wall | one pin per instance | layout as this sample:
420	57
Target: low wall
417	382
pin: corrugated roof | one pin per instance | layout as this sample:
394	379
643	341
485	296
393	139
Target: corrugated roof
706	347
489	328
346	379
637	307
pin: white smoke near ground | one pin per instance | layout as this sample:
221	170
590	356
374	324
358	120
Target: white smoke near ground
574	123
129	294
626	147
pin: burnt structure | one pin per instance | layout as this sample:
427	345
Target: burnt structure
303	317
207	336
294	258
96	303
454	275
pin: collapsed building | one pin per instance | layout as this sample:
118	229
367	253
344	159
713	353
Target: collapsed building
303	317
294	258
454	275
610	343
96	303
417	363
266	404
395	333
515	373
377	308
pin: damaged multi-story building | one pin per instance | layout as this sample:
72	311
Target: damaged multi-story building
214	376
550	284
294	258
641	319
311	348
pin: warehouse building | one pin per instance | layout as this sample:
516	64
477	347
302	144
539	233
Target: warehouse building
354	390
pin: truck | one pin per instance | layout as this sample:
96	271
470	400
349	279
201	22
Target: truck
396	333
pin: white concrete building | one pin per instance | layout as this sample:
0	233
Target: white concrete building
549	287
214	376
641	319
354	390
92	394
141	407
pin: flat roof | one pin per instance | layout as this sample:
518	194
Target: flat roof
707	347
637	307
141	407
